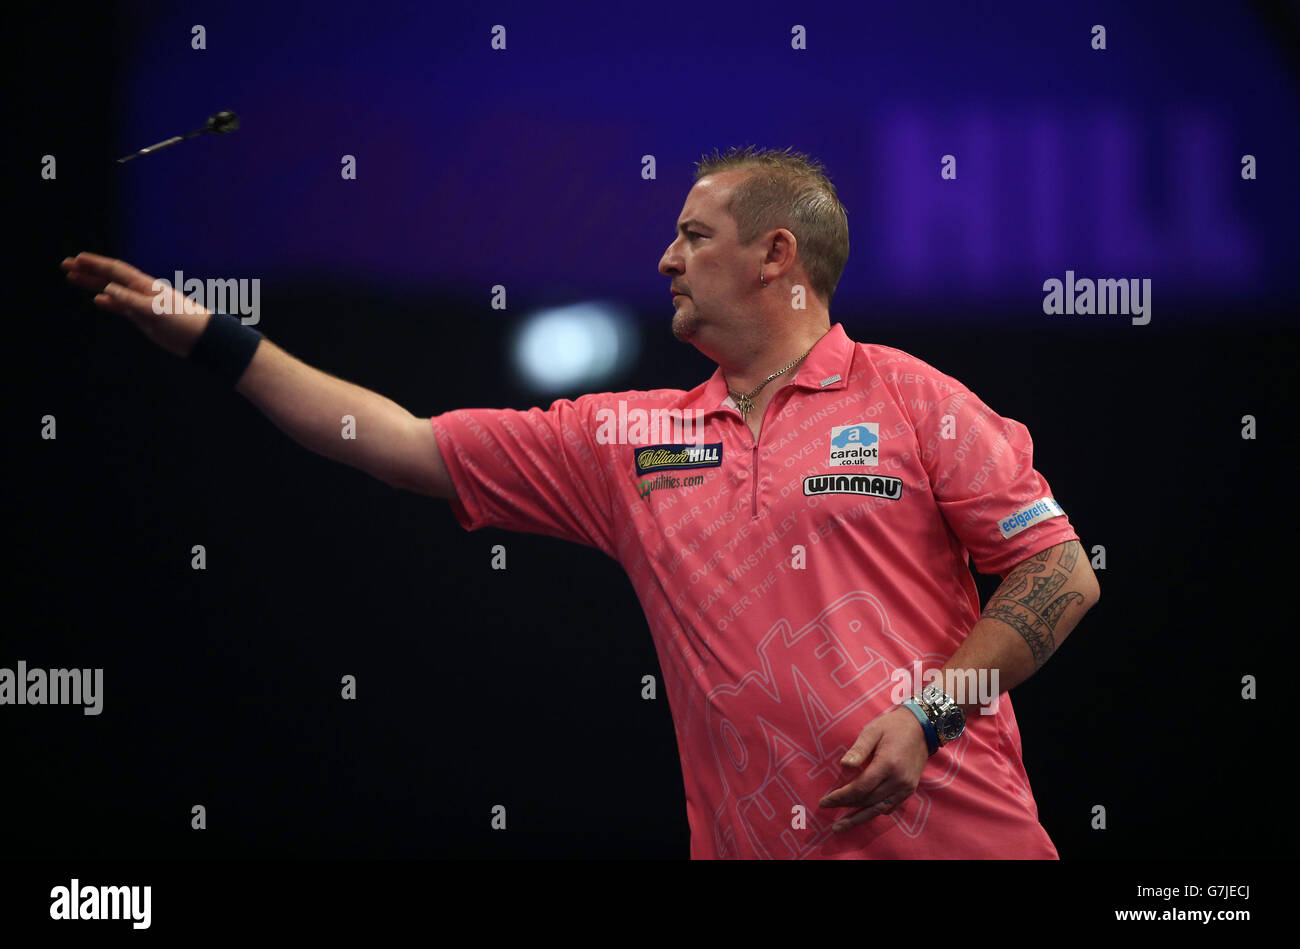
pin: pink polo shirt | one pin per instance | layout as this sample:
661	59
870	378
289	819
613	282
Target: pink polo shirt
791	584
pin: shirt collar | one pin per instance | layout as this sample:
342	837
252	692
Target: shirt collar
827	367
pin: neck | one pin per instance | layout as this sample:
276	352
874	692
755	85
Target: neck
764	357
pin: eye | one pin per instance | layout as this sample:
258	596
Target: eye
693	234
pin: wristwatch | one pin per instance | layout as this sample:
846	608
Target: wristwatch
949	720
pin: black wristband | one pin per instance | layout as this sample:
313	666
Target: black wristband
226	346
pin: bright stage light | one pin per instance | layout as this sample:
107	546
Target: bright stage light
576	347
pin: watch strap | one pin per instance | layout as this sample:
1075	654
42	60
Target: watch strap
931	733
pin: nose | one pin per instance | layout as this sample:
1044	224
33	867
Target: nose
668	263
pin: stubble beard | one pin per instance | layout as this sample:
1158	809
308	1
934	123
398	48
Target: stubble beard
686	324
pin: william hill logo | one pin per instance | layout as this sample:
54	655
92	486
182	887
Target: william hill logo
876	487
659	457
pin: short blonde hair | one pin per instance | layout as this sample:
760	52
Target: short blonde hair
787	189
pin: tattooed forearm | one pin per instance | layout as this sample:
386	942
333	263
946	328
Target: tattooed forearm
1031	600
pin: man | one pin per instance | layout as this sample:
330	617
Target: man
797	535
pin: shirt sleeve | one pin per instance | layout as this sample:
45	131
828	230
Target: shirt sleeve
983	479
537	471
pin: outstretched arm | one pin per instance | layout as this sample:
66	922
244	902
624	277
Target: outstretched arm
305	403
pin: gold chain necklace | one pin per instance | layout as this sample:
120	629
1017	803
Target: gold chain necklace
746	402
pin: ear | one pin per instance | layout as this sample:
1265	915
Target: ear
782	250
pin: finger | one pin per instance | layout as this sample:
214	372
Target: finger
127	301
869	812
105	302
861	750
115	271
97	262
883	769
110	301
864	747
861	790
86	281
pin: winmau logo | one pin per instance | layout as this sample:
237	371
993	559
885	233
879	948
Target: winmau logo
874	486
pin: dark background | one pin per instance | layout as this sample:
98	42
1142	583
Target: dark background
522	687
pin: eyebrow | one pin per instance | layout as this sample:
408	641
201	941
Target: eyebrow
691	222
